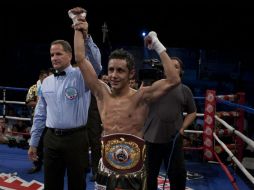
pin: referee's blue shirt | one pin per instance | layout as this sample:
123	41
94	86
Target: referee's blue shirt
65	100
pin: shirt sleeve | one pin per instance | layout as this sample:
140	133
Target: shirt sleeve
93	54
39	122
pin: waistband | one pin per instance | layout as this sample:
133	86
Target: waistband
67	131
107	179
123	136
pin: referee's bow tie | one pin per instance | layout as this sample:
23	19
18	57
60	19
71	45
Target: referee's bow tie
62	73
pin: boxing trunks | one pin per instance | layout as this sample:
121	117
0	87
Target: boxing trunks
122	164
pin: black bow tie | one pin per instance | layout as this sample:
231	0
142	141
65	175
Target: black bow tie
62	73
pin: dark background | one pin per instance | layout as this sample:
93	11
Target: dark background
28	27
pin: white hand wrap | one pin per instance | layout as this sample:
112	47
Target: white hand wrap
155	44
74	17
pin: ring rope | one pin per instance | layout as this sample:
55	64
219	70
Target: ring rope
12	102
245	108
238	133
238	163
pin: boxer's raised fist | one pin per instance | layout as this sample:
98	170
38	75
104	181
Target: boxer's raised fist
152	42
75	13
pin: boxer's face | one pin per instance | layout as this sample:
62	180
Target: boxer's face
118	73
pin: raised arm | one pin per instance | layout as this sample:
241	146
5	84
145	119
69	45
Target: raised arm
93	54
160	87
87	70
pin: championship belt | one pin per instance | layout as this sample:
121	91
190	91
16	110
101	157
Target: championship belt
123	153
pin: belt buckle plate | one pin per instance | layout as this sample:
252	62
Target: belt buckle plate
123	153
58	132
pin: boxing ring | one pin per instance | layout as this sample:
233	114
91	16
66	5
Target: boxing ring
12	135
211	168
211	132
